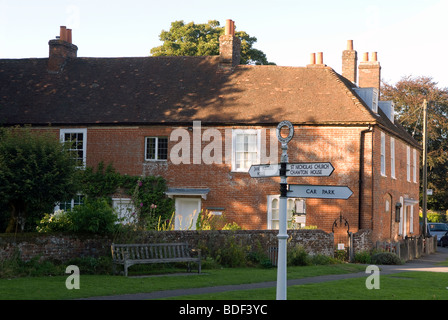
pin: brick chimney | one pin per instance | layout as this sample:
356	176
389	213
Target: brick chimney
229	47
370	72
350	62
60	50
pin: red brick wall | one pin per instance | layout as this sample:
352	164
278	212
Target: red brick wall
245	199
388	188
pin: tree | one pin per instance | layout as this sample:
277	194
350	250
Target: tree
408	95
203	40
36	171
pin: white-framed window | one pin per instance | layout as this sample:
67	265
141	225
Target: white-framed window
383	154
408	163
246	146
296	212
124	207
77	144
70	204
400	225
156	148
392	158
414	169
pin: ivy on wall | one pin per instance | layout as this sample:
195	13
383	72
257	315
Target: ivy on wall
147	193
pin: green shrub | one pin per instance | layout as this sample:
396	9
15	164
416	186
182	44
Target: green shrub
320	259
95	216
36	267
385	258
55	222
341	255
91	265
363	257
231	254
258	258
297	256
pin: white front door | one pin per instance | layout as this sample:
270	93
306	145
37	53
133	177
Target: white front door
187	211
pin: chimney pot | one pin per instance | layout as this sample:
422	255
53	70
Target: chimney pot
350	45
69	35
365	56
63	33
374	57
230	27
313	58
320	58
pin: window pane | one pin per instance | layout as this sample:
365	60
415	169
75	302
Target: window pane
246	150
151	148
162	148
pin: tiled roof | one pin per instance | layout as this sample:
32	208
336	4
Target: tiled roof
174	90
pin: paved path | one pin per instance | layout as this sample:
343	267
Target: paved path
425	263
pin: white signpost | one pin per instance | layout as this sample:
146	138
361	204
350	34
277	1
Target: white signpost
284	170
306	169
264	170
282	228
311	169
319	192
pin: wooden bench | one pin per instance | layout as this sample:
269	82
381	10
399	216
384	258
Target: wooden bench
131	254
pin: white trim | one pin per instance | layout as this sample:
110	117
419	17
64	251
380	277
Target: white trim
291	202
156	151
383	154
400	225
408	163
392	158
62	133
414	169
236	132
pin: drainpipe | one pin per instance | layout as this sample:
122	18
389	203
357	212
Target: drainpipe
361	172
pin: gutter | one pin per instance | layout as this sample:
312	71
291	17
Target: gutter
361	173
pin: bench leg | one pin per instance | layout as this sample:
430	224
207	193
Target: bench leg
126	269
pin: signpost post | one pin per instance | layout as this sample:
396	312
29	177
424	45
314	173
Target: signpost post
284	170
282	230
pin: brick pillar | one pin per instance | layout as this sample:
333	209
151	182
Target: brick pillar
349	62
370	72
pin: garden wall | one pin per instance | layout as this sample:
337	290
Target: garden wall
63	247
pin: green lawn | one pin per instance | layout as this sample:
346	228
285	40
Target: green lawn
52	288
402	286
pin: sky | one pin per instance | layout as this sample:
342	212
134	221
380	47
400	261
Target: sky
409	35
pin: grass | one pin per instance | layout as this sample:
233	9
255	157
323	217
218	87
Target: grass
399	286
53	287
404	286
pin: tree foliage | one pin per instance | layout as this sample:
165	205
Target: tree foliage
193	39
408	95
36	171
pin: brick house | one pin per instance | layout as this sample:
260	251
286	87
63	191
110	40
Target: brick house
200	122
